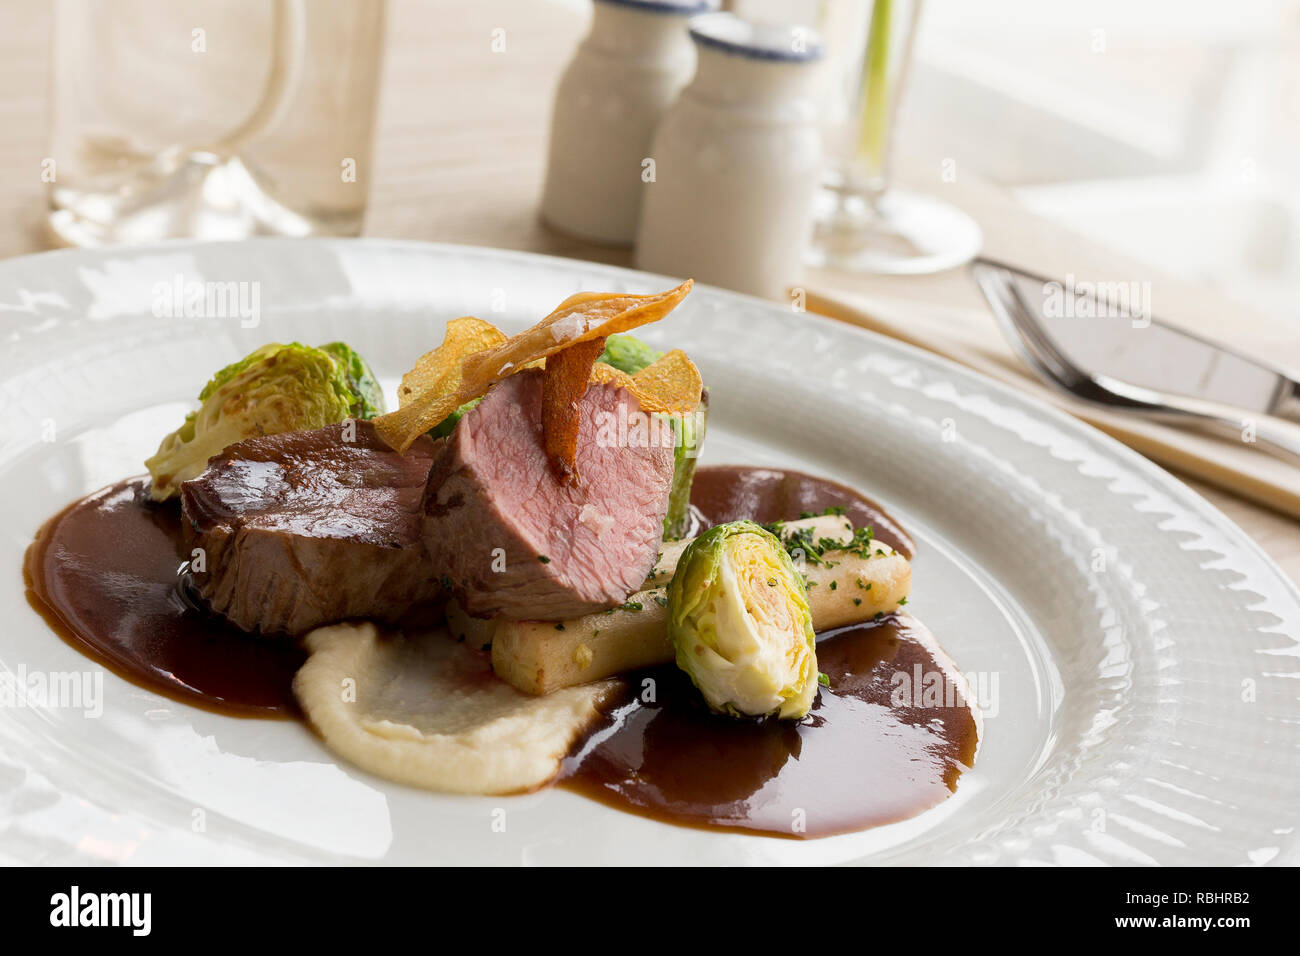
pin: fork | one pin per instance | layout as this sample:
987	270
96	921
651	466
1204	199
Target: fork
1028	337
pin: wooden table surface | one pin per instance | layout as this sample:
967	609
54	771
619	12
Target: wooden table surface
459	156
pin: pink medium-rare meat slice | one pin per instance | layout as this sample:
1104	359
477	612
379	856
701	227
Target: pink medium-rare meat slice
512	540
304	528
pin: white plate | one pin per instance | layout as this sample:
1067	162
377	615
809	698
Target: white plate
1143	649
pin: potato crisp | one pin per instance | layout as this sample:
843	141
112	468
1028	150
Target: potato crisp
475	355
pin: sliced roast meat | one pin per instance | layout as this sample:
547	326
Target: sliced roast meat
513	540
303	528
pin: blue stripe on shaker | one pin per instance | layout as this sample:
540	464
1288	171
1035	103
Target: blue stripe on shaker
732	34
677	7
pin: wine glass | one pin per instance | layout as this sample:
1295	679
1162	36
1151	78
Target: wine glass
214	119
862	224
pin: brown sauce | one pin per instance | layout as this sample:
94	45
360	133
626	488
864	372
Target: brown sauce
729	492
103	574
858	760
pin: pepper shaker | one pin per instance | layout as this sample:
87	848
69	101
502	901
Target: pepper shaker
738	160
625	74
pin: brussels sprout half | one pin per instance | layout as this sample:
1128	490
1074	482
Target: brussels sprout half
277	388
740	624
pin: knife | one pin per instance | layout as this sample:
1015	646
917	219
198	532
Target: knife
1101	343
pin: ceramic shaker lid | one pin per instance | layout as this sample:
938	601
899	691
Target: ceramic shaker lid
758	41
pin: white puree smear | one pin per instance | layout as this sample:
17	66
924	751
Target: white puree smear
425	710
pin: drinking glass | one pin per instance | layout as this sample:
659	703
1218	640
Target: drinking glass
864	224
215	119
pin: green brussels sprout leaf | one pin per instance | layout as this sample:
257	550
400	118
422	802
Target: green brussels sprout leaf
444	427
688	435
627	353
362	381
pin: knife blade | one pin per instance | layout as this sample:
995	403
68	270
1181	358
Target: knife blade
1107	328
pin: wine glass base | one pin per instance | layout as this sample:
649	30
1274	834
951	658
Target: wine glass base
899	233
197	195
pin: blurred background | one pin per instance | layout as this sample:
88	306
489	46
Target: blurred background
1165	129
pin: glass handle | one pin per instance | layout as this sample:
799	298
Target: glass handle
288	49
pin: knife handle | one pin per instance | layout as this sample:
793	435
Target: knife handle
1287	404
1270	431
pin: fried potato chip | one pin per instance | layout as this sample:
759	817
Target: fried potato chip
440	370
671	385
565	381
454	373
580	317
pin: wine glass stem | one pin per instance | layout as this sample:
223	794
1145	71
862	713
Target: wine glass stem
873	131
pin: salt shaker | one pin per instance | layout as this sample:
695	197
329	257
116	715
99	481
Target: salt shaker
738	160
626	73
